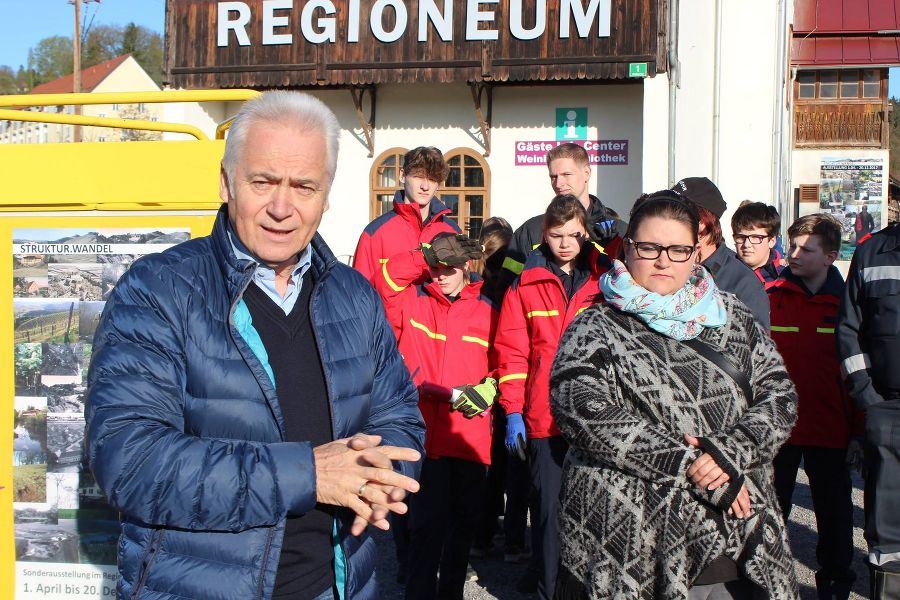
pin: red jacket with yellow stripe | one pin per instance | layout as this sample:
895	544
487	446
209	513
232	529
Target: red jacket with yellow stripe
445	344
803	329
534	315
398	231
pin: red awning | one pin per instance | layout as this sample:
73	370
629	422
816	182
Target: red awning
845	51
846	33
845	16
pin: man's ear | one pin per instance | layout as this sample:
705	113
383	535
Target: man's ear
587	170
772	241
830	257
224	194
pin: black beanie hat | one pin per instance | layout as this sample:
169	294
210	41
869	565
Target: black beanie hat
702	192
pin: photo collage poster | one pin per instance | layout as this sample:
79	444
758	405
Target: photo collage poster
65	533
853	190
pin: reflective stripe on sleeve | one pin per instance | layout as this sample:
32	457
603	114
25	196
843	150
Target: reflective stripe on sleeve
511	264
475	340
785	329
878	273
542	313
513	376
428	332
857	362
824	329
388	279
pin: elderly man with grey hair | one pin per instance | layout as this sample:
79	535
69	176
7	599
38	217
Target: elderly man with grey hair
248	412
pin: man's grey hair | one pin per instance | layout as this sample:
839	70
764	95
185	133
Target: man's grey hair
281	107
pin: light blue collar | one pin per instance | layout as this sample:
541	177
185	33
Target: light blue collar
264	275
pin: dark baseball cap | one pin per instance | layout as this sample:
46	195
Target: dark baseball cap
702	192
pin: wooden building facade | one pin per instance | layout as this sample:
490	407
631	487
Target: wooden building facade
304	43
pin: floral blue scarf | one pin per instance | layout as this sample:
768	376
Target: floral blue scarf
681	315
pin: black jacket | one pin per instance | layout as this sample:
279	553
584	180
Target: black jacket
732	275
868	329
530	235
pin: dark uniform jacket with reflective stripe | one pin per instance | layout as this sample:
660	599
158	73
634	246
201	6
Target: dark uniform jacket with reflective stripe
803	326
869	320
732	275
185	433
445	343
397	231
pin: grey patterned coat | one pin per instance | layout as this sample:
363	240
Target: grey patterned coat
632	524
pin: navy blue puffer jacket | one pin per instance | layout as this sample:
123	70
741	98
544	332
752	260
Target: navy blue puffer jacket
185	433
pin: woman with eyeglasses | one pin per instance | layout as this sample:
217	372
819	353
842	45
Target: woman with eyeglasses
559	281
674	401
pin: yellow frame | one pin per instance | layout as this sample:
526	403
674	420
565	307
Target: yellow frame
131	185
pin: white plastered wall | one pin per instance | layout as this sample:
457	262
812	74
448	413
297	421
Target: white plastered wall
443	115
747	91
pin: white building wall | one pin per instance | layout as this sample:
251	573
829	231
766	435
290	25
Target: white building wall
744	165
443	115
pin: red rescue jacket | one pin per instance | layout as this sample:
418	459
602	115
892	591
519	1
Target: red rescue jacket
398	231
445	344
534	315
803	329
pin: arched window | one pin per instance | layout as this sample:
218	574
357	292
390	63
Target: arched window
466	191
384	181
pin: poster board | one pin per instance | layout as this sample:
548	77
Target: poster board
57	535
854	191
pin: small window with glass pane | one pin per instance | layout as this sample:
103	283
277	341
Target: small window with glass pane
828	84
850	83
871	83
807	83
385	181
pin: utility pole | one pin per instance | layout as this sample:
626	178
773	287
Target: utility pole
76	61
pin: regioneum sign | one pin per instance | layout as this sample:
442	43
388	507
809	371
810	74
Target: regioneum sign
319	21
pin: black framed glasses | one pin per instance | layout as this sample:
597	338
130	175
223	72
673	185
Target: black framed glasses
650	251
755	239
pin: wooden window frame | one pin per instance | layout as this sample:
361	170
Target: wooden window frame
375	187
463	216
838	99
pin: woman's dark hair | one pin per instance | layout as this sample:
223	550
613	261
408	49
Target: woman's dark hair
563	209
664	204
495	236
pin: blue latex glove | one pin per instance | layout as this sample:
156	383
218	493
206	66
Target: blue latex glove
515	435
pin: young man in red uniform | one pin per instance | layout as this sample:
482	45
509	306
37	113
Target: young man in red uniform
446	331
755	227
559	280
804	303
417	216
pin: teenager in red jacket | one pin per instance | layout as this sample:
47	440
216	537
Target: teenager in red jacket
559	281
755	230
804	305
446	333
417	215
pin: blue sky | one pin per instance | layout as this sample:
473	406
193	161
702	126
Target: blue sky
894	83
25	22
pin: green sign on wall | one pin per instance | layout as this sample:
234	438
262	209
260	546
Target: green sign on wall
637	69
571	124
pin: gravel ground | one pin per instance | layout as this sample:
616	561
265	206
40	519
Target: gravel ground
497	579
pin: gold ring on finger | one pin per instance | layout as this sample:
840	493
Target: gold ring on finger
362	488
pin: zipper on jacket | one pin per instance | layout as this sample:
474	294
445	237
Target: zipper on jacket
262	564
155	542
